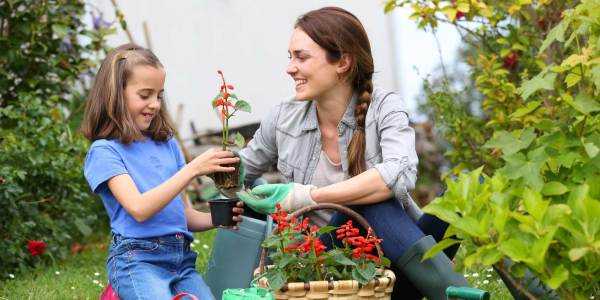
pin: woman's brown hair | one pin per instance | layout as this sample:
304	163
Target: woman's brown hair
106	115
339	32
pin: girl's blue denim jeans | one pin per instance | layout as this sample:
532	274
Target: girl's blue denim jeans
154	268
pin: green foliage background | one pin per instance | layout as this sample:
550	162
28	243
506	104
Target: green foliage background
532	142
46	58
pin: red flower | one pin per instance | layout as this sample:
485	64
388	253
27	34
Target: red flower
36	247
459	15
311	242
511	61
302	226
229	86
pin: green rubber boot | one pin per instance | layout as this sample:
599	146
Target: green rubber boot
433	276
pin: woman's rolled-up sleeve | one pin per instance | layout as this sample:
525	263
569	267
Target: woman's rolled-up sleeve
398	167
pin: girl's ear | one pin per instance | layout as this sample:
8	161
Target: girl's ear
343	65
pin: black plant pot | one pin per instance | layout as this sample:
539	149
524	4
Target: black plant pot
221	212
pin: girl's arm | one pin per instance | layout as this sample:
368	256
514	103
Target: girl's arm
196	220
142	206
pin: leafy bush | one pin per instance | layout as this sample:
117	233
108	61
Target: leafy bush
535	198
43	195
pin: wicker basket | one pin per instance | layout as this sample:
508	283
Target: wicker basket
378	288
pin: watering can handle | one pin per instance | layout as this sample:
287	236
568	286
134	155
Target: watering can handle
466	293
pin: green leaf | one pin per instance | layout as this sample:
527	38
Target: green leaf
341	259
60	30
238	140
577	253
591	149
443	244
554	188
572	79
585	104
543	81
82	227
559	275
511	142
523	111
276	279
534	204
326	229
243	106
556	34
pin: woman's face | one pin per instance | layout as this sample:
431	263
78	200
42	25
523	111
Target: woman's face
313	75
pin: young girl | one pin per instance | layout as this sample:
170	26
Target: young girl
340	140
137	168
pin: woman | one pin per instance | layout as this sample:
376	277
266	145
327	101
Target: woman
341	141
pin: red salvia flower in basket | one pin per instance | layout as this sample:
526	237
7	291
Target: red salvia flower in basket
36	248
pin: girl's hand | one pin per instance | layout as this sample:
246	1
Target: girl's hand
237	214
212	160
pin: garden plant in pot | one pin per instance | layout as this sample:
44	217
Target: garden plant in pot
227	105
301	268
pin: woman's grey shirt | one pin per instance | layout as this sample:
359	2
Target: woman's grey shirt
290	135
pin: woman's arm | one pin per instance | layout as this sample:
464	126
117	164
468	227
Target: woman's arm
394	175
142	206
365	188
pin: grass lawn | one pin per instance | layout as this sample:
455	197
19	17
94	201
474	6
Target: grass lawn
84	277
81	277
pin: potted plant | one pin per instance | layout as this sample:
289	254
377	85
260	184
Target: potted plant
227	105
302	268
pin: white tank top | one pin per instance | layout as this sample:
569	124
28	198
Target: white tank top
326	173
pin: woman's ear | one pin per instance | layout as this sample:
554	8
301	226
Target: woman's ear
343	65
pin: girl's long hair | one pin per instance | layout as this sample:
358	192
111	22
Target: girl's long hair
106	115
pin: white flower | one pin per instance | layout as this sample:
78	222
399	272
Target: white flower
12	276
591	297
475	274
466	275
72	287
486	281
96	274
95	281
488	275
100	285
57	273
205	246
490	269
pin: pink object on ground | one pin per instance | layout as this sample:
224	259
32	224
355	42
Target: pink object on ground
110	294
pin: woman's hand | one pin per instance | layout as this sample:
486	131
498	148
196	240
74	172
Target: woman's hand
291	197
212	161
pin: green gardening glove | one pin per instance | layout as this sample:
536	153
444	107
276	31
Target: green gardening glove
291	196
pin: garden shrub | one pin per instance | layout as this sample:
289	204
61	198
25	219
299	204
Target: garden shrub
46	52
532	194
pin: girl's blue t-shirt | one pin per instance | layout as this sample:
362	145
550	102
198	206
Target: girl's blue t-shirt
149	163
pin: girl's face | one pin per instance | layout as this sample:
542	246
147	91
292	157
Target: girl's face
313	75
144	94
